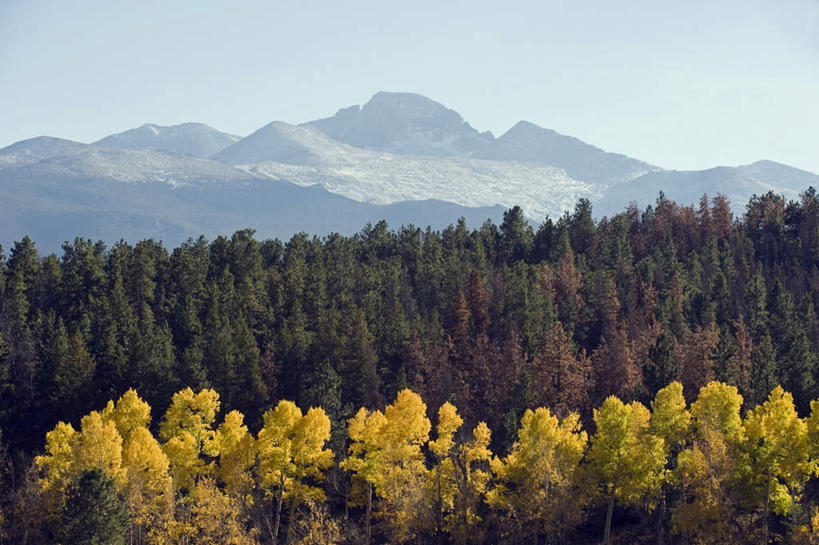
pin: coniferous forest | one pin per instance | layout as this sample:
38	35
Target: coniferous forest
644	378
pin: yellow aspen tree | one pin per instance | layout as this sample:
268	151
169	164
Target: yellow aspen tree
472	475
56	464
441	485
537	483
317	527
385	455
100	446
187	430
365	457
406	431
292	455
670	421
148	487
777	441
130	413
69	453
713	467
212	517
237	457
626	459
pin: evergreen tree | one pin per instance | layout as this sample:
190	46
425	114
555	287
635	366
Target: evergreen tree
93	513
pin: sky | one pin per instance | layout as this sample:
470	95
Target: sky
683	85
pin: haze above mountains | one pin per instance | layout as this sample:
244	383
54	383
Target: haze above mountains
400	157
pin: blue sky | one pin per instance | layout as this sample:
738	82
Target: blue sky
683	85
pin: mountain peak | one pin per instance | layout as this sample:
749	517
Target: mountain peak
528	142
196	139
404	124
36	149
411	106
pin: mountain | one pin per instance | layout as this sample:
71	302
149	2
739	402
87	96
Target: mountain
400	157
530	143
404	124
283	143
194	139
111	194
306	156
134	166
738	184
36	149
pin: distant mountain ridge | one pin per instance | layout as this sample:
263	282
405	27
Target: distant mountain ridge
196	139
54	190
401	156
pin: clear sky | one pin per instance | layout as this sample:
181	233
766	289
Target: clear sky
683	84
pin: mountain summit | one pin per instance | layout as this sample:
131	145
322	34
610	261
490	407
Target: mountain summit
196	139
529	143
404	124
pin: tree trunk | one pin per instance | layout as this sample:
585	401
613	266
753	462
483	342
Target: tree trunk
661	520
439	523
278	518
290	519
609	513
369	514
765	519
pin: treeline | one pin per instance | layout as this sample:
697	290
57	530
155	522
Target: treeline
703	473
497	320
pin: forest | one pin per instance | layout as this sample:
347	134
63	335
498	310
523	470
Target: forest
644	378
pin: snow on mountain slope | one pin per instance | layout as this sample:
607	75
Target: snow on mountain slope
36	149
528	142
306	156
132	166
196	139
738	184
284	143
404	124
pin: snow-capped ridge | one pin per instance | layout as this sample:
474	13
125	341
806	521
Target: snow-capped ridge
36	149
195	139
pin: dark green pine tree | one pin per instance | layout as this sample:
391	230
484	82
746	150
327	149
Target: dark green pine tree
251	393
582	230
517	236
662	366
325	392
73	376
93	513
798	365
358	365
6	386
763	371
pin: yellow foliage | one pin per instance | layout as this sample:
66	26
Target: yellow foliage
670	419
291	452
188	431
385	453
237	456
56	464
131	413
537	483
291	449
209	516
777	440
148	487
713	467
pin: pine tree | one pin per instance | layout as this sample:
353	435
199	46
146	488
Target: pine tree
93	514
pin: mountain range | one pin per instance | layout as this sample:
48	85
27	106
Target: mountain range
400	157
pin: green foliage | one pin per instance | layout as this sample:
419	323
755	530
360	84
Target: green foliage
93	514
497	321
